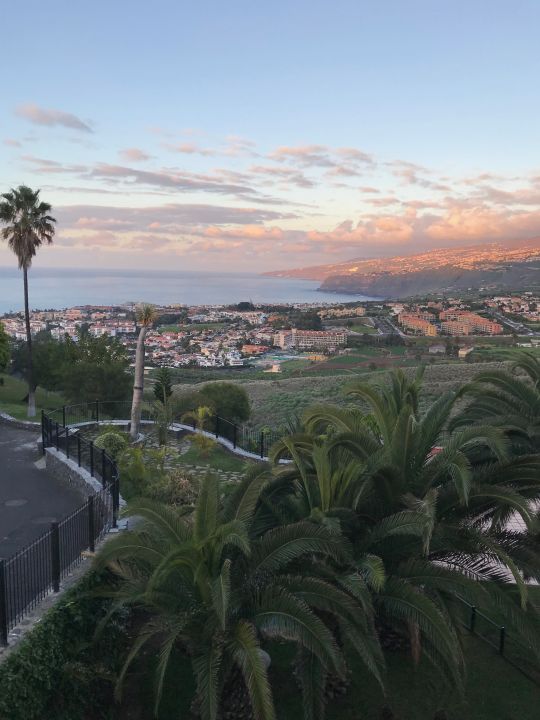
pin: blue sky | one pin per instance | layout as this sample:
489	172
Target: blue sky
266	135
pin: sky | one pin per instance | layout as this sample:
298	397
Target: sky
258	136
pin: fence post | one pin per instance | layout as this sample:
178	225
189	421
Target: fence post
234	437
3	605
115	498
103	462
55	556
64	415
43	441
91	443
91	525
97	411
78	450
217	426
57	442
67	443
262	444
473	618
502	635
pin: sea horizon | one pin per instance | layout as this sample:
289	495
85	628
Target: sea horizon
58	288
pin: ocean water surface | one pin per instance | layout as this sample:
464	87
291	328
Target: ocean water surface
52	288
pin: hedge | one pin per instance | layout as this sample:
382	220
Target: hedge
58	672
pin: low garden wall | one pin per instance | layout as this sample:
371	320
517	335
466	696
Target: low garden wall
6	419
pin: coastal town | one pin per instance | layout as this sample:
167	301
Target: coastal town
263	336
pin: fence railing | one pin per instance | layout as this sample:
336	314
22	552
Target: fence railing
31	573
515	650
254	441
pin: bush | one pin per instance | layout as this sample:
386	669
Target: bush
113	442
177	487
58	672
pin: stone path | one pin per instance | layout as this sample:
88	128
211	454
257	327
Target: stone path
29	498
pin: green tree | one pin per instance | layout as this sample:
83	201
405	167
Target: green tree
48	357
28	225
95	369
163	384
228	400
5	351
210	589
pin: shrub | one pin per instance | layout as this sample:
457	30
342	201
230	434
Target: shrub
58	672
177	487
114	443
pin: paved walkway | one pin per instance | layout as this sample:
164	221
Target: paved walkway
29	498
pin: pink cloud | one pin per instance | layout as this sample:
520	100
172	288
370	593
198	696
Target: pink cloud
133	155
51	118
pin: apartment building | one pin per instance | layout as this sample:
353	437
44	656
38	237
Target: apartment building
470	320
310	339
417	323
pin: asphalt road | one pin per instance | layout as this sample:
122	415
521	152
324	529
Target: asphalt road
29	498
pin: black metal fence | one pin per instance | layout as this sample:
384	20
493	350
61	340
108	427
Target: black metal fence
514	649
69	418
31	573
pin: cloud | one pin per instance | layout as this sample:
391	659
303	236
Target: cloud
173	217
10	142
190	149
51	118
133	155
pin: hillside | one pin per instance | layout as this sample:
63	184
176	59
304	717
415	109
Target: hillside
511	266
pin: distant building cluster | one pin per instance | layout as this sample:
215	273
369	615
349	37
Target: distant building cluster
452	321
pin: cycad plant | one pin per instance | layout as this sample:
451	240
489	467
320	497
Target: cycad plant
214	591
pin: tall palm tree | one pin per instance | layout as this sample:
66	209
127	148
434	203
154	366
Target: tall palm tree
28	225
146	317
213	591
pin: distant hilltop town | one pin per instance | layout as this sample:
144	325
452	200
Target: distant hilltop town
263	335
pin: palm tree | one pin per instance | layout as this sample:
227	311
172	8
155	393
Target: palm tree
28	225
504	398
212	590
427	506
146	316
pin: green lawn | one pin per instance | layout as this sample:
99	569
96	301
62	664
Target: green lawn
367	329
494	690
216	459
13	391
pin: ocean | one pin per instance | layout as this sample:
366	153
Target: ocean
52	288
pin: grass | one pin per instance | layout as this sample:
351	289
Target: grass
494	690
216	459
13	392
367	329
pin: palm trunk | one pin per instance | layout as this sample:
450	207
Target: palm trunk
30	372
138	385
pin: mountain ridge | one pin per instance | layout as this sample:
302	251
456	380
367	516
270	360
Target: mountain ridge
509	265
